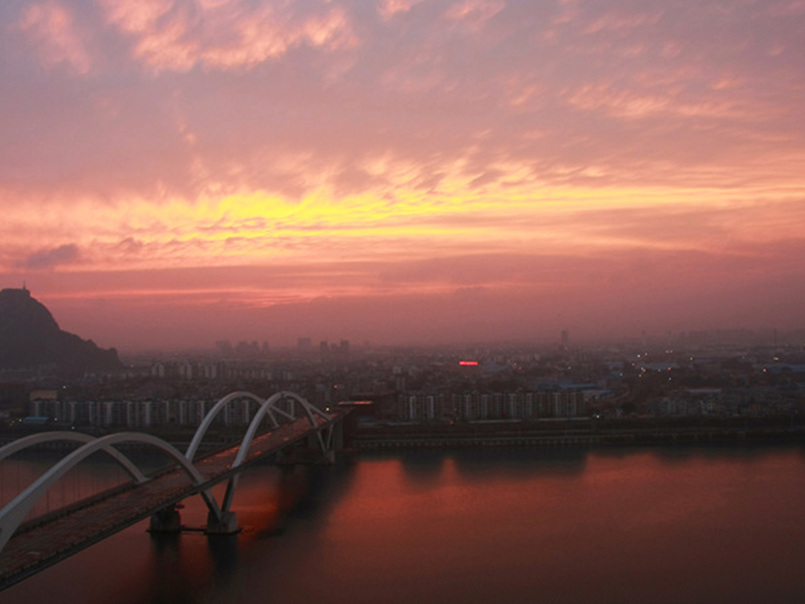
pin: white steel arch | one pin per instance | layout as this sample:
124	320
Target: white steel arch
15	512
44	437
201	431
268	407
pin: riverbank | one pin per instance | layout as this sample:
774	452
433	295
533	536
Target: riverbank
547	433
638	432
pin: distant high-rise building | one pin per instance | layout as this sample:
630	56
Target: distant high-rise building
304	344
246	349
224	348
186	370
565	337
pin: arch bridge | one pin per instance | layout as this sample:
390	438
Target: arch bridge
26	548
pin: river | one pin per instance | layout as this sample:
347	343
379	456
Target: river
487	525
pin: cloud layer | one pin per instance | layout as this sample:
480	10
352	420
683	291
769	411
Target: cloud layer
426	145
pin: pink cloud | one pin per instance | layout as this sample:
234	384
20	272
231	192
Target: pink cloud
176	35
414	90
614	22
52	29
389	8
615	295
474	13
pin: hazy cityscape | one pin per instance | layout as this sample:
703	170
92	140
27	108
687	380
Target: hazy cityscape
431	396
705	374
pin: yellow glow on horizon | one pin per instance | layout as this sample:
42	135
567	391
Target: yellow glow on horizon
514	214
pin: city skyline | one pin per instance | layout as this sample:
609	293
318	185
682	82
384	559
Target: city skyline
403	171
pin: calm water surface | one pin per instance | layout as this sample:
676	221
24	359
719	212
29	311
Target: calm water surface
611	525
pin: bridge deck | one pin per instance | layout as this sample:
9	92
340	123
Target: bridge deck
44	545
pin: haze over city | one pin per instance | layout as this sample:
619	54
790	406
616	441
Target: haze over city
403	171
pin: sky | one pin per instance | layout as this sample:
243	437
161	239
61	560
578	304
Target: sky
176	172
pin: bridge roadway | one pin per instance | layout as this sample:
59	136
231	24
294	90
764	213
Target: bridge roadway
32	550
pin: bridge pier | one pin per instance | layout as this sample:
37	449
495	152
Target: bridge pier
328	458
169	521
166	520
306	453
319	448
227	524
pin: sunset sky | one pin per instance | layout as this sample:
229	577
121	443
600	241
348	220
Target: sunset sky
403	171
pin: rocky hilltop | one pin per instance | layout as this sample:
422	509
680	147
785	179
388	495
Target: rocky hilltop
30	337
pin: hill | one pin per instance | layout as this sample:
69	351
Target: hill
30	337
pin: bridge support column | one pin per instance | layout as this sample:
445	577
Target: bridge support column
328	458
166	520
227	524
